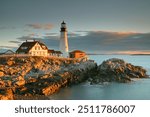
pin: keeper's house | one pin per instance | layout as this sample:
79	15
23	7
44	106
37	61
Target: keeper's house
33	48
36	48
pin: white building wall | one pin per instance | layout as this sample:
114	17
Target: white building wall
63	46
64	42
37	50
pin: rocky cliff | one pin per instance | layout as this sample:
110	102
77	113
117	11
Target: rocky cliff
24	77
38	77
117	70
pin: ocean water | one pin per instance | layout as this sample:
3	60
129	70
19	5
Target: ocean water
139	89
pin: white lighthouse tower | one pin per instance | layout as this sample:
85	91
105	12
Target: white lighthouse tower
63	40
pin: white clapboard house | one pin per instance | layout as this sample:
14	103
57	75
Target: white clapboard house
36	48
33	48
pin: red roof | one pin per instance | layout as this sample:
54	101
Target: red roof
77	51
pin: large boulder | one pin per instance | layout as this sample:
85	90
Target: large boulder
1	68
2	83
20	83
10	62
118	70
6	94
1	73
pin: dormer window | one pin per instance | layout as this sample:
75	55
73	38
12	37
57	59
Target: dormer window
24	48
43	47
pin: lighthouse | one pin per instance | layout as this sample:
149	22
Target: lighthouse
63	46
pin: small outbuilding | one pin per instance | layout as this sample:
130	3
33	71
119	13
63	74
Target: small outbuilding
54	53
77	54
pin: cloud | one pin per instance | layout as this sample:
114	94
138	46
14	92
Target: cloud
28	37
55	37
41	26
71	34
51	41
7	47
102	42
17	42
51	34
35	36
133	52
23	38
82	31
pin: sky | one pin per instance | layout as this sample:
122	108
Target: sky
106	26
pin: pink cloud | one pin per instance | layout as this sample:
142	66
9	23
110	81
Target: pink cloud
133	52
41	26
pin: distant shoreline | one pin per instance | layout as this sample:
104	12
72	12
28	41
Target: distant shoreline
122	54
141	54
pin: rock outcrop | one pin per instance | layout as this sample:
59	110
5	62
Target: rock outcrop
6	94
1	73
34	76
117	70
38	77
